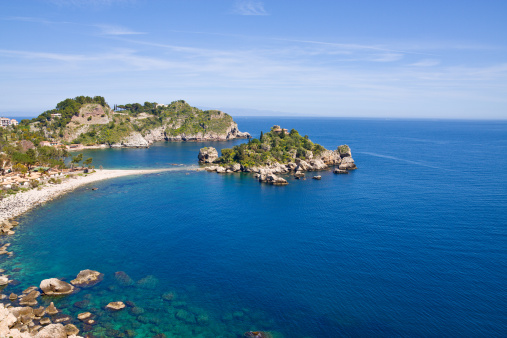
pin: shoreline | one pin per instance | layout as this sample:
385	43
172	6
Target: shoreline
16	205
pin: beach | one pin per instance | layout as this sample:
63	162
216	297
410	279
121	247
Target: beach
15	205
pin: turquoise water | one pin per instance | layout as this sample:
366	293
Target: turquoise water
410	244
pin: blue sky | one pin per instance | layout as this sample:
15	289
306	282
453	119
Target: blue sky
411	59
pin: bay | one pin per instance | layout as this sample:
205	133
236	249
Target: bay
413	243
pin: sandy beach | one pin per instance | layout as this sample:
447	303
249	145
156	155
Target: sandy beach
15	205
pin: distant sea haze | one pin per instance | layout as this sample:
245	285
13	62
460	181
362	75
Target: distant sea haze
410	244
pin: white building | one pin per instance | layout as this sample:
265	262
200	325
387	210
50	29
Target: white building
5	122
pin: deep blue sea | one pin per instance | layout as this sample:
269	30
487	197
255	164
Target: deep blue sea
412	244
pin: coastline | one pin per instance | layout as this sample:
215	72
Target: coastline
15	205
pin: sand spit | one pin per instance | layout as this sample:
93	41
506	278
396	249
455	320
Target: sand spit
15	205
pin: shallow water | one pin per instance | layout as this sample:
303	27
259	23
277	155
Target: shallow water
411	244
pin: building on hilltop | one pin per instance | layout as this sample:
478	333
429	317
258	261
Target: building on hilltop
5	122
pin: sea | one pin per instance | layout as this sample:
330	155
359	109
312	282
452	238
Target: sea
411	244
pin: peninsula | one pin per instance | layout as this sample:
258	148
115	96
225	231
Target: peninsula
90	122
278	152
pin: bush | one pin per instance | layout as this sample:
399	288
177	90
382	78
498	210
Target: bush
89	118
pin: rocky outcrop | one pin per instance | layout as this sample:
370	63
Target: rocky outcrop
207	155
87	278
52	331
55	287
115	306
134	140
341	157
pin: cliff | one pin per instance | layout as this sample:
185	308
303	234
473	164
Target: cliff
90	121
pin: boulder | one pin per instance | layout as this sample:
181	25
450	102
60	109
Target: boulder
340	171
39	312
45	321
221	170
275	180
318	177
116	306
30	299
13	296
51	309
87	278
207	155
84	315
55	287
4	280
347	163
52	331
71	329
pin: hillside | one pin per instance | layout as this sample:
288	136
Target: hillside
90	121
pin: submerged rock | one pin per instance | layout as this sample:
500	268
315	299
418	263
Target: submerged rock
123	279
87	278
55	287
148	282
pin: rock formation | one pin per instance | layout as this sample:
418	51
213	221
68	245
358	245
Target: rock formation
87	278
207	155
55	287
115	306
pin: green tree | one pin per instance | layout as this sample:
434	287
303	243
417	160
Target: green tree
88	161
75	160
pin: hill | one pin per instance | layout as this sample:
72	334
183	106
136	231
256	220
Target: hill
90	121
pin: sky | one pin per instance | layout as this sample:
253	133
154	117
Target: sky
343	58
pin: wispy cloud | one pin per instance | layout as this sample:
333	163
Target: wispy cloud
249	7
426	63
116	30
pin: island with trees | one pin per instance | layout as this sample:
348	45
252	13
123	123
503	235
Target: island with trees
278	152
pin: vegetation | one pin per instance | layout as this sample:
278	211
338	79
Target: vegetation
275	146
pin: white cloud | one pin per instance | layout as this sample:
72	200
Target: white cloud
116	30
249	7
387	57
426	63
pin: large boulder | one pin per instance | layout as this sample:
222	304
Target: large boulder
87	278
344	151
55	287
207	155
275	180
347	163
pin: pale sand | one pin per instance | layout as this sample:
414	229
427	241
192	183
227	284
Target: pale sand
15	205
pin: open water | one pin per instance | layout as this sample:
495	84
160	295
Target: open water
412	244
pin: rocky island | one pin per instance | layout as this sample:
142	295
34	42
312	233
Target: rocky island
90	122
278	152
